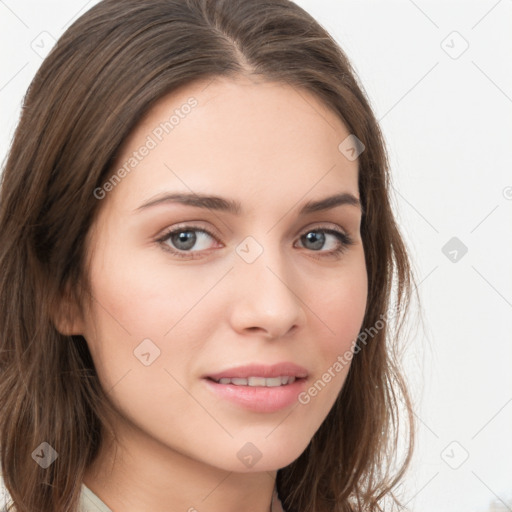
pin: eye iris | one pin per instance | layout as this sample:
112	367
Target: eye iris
188	238
316	238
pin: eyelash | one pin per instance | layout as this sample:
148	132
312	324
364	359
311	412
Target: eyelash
344	239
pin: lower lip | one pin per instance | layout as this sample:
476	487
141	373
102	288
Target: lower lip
259	398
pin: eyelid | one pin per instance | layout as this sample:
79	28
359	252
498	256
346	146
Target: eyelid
323	225
188	226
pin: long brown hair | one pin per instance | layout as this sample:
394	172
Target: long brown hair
106	71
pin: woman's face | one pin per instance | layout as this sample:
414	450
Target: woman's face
264	283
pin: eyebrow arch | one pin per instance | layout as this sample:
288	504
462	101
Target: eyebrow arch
234	207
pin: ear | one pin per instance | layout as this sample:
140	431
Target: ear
67	316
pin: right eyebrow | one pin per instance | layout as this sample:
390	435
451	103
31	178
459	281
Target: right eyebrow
197	200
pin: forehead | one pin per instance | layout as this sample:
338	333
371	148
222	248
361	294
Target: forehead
242	137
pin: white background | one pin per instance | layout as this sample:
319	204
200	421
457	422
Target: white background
446	113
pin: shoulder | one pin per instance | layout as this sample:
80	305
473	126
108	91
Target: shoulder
5	497
89	502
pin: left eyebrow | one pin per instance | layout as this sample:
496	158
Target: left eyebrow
331	202
231	206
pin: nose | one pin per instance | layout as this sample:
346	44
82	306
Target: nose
265	299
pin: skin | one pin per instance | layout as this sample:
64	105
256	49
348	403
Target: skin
272	148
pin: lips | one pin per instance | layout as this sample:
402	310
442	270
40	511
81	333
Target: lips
259	388
254	373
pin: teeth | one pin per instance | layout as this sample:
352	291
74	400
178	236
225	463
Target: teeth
258	381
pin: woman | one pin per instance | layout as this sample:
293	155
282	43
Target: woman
198	255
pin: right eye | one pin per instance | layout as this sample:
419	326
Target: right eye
180	241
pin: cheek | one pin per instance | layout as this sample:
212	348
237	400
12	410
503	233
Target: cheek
340	304
146	298
336	316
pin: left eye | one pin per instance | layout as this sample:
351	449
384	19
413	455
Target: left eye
316	239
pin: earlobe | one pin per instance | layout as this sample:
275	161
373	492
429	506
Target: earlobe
68	326
67	317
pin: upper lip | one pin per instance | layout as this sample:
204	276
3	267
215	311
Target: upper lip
286	369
